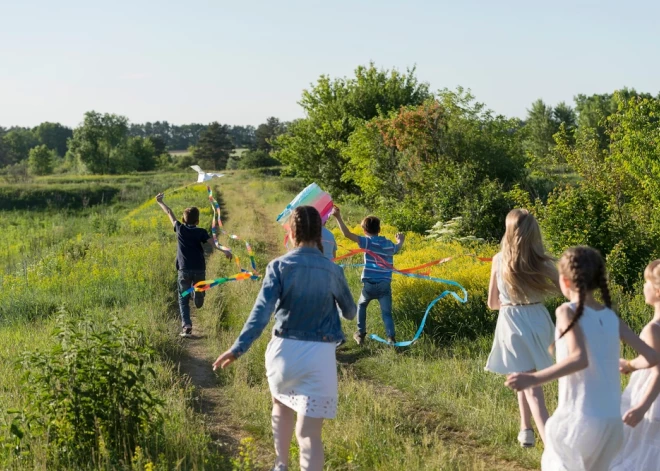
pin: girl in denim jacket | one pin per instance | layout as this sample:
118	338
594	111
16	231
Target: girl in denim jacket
303	288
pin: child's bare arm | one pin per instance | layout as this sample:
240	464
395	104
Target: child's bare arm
648	357
493	290
165	208
576	359
400	237
636	413
342	227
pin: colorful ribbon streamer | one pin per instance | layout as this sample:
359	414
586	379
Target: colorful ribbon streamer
411	272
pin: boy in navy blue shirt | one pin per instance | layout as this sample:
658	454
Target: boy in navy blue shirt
190	261
376	280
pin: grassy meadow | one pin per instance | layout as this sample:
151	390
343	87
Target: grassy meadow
431	406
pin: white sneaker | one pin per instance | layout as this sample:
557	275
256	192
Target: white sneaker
526	438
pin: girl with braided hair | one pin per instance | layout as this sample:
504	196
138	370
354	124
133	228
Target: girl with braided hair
640	405
304	289
586	431
522	275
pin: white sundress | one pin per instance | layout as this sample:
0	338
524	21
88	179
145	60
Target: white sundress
302	375
586	431
641	444
523	333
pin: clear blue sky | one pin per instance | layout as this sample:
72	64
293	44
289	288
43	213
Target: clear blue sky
239	62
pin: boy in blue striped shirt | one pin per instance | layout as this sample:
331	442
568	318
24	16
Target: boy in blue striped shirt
376	279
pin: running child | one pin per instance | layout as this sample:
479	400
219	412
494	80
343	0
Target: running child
376	280
522	275
586	431
640	405
190	262
304	289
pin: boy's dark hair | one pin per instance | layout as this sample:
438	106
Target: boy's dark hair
306	225
191	216
371	225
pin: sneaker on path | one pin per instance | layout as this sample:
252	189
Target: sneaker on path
186	331
526	438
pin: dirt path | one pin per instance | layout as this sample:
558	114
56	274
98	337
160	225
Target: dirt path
198	355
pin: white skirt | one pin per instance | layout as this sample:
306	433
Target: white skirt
302	375
580	443
522	337
641	444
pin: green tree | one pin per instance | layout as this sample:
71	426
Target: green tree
540	127
312	147
215	146
564	114
443	159
18	142
159	144
267	132
256	159
41	160
142	152
100	142
54	136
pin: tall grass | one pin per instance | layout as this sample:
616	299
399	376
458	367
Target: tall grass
101	264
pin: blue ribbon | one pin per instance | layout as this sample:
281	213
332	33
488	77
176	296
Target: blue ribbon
420	329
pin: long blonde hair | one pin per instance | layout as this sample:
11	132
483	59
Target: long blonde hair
527	268
652	274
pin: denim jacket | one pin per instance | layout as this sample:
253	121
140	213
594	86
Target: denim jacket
303	288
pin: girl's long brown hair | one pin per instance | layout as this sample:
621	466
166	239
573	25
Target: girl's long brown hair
306	226
585	268
526	267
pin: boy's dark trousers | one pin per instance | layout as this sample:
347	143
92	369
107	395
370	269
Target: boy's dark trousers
185	280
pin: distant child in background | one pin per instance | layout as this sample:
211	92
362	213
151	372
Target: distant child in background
586	431
522	275
640	405
329	243
376	280
190	262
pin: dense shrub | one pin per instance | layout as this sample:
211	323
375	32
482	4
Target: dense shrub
89	397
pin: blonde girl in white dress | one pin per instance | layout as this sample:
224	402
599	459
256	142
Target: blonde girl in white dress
640	405
523	274
586	431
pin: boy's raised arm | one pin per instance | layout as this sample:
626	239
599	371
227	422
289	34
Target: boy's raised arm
166	209
400	237
342	227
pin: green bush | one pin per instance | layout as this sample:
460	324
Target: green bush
89	396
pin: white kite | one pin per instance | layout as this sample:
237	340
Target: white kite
203	176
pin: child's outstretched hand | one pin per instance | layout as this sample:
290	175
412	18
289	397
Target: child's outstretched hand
227	254
633	416
520	381
159	197
224	360
400	237
336	212
624	367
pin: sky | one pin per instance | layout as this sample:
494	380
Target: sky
240	62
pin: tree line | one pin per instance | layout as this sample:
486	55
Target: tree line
109	143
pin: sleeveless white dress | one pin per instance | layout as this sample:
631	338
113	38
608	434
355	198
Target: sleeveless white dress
641	444
586	431
522	335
